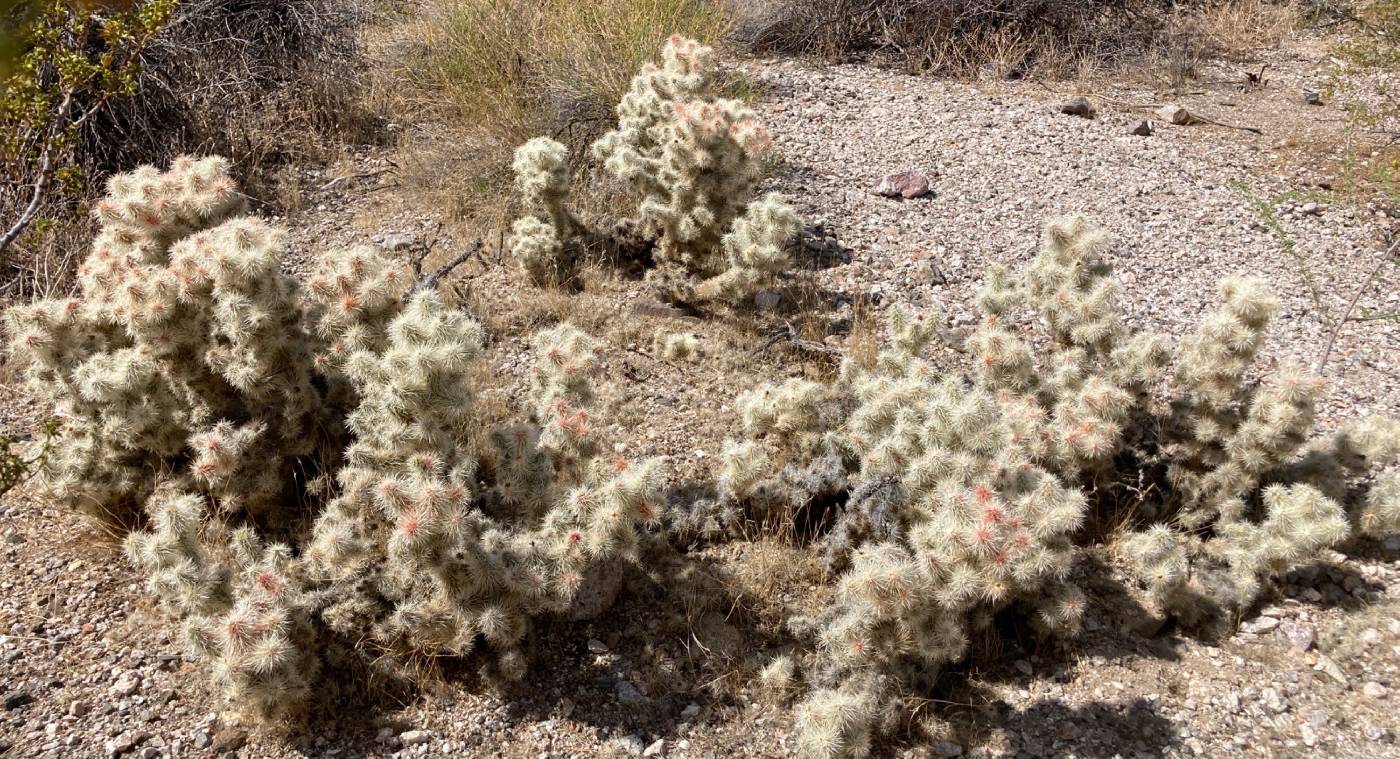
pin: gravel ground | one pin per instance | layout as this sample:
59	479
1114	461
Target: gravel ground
88	667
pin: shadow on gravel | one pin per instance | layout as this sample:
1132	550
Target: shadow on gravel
1055	728
1336	586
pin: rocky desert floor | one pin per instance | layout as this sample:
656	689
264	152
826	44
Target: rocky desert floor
88	667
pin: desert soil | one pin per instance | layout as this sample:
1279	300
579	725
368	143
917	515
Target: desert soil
89	667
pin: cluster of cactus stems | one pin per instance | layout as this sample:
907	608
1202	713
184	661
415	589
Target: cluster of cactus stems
962	497
183	354
199	384
694	162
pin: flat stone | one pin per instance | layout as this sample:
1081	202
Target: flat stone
16	699
1260	625
414	737
127	684
905	184
946	748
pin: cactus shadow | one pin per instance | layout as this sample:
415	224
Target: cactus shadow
1052	727
1331	582
635	670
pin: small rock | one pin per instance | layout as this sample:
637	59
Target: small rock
229	739
1079	106
1174	114
1373	690
77	709
123	743
596	646
1260	625
1312	98
127	684
1370	636
414	737
690	712
767	300
656	749
1145	128
627	693
1300	636
200	739
1309	734
906	184
1311	209
1023	666
632	744
1325	664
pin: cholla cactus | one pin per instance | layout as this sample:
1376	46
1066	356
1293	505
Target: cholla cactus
957	501
677	346
244	608
1091	409
185	343
547	248
695	163
1072	408
409	526
186	374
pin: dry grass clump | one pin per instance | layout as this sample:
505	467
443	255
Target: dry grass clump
479	77
1010	38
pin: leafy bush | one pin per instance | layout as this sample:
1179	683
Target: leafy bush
957	500
201	386
693	161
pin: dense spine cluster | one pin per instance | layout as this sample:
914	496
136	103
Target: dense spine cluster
694	161
957	500
183	353
200	385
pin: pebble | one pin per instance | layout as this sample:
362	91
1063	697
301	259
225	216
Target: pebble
1373	690
656	749
627	693
415	737
1260	625
127	684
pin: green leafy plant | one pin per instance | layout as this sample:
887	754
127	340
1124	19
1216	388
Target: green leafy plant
72	59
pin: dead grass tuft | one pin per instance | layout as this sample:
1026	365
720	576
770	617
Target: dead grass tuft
476	78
